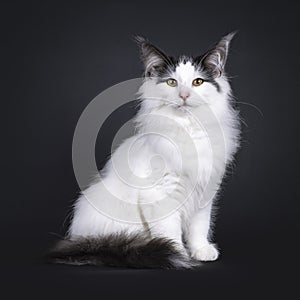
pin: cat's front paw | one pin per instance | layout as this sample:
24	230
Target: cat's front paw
206	253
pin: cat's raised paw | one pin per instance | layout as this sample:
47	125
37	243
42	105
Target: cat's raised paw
206	253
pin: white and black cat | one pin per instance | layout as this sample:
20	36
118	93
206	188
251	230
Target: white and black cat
186	118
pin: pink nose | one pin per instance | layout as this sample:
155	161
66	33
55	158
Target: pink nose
184	95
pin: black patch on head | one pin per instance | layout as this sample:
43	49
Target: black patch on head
184	59
160	65
212	80
208	76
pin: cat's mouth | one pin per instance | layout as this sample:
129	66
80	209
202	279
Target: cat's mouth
184	104
184	107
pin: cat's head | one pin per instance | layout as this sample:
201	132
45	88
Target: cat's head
184	82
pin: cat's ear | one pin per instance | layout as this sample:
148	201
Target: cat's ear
214	60
153	58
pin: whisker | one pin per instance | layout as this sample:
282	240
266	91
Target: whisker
244	122
252	105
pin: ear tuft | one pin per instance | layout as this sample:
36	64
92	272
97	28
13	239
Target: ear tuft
139	40
229	36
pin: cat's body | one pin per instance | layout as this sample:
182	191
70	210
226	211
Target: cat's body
195	130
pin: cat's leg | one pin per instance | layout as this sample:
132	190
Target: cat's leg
170	228
198	236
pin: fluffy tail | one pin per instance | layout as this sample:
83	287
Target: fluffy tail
121	250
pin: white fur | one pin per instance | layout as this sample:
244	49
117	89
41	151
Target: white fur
166	130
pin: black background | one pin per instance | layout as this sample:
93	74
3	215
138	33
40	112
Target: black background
57	56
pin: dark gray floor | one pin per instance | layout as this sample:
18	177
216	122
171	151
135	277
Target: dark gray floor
254	269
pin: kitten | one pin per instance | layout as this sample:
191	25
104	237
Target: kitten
187	132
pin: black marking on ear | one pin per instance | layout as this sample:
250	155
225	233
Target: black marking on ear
214	60
156	62
167	69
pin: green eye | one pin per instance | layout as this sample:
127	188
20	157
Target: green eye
197	82
172	82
